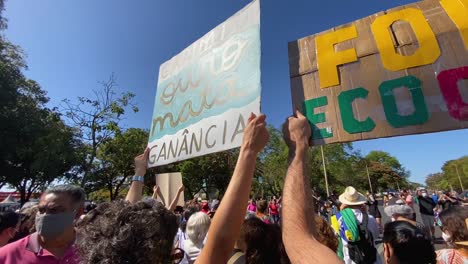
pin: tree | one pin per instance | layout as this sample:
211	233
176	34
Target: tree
438	181
98	120
114	161
210	173
386	171
456	172
36	147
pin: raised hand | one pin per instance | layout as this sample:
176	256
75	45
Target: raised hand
255	134
296	130
141	162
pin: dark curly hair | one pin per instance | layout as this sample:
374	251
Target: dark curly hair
453	221
263	242
120	232
324	233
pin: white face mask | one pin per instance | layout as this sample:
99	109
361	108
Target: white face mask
393	219
447	238
424	194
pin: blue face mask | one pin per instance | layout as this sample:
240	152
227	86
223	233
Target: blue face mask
52	225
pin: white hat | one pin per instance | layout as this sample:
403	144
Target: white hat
399	209
352	197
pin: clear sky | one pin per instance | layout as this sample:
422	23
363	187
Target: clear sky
70	45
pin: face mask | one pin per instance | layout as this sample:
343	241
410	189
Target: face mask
447	238
424	194
393	219
52	225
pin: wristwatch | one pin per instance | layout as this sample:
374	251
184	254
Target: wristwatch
138	178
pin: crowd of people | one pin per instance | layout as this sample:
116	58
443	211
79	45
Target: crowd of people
344	228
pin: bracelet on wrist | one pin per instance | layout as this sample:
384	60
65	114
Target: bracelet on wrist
138	178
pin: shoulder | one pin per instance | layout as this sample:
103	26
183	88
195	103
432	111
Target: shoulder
13	248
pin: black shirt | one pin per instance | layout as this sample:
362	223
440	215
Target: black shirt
426	205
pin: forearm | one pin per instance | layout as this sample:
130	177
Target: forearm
135	193
225	227
297	205
298	212
173	204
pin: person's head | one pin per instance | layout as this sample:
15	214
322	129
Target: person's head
118	232
27	226
453	224
402	239
262	206
399	210
262	243
351	198
325	234
424	193
197	227
205	206
9	226
58	208
191	209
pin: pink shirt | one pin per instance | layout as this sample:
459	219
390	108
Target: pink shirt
28	251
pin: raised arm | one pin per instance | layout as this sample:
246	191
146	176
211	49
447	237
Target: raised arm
135	193
173	204
297	221
226	224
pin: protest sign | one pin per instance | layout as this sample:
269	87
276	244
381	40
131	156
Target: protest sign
206	93
403	71
169	184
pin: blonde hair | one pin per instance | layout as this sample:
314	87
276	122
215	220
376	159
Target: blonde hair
197	227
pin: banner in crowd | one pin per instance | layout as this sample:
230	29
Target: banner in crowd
403	71
206	93
169	184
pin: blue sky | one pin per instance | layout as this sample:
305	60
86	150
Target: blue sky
70	45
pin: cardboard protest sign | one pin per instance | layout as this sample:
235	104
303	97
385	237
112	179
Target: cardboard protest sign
403	71
206	93
169	184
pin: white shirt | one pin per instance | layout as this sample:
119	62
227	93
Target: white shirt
373	229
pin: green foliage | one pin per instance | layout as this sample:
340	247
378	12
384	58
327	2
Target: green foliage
453	176
386	172
114	162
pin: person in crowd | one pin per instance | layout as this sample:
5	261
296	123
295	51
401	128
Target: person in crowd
221	236
262	242
9	226
435	197
446	201
373	205
325	234
261	211
426	209
385	200
454	230
205	207
298	226
404	243
197	228
409	200
274	211
130	231
402	212
252	206
356	229
392	199
58	210
181	235
27	225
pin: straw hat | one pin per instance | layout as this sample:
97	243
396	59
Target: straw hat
352	197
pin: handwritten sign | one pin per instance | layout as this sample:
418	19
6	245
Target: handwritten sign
206	93
403	71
